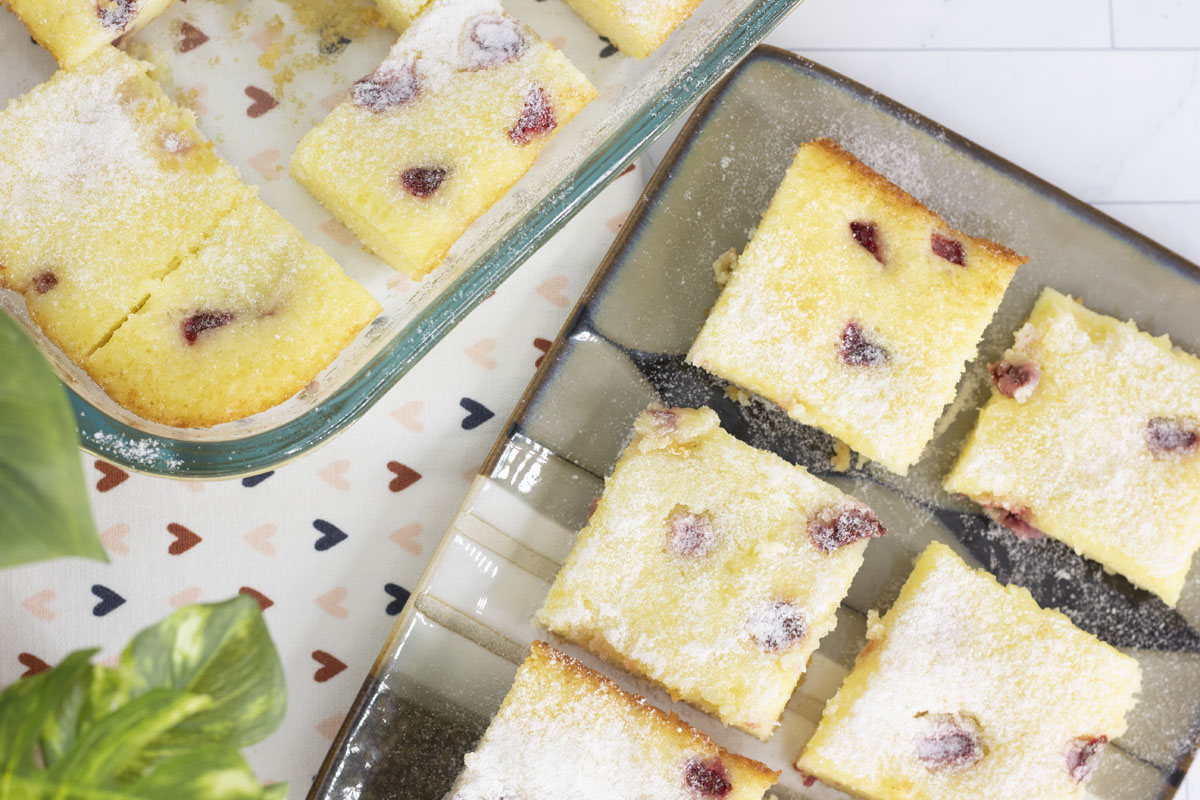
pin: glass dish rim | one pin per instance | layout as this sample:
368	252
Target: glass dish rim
104	437
390	645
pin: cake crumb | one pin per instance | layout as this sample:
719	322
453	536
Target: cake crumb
724	266
840	460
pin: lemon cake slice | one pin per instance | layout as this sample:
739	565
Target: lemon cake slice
74	29
1091	436
854	307
967	688
401	13
710	567
430	140
565	731
241	325
636	27
106	184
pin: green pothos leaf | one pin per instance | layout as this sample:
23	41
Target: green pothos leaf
166	723
44	510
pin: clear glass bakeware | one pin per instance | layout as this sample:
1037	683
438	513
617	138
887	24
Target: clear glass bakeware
450	658
305	54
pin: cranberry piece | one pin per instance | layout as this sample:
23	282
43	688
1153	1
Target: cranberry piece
1016	518
707	778
491	41
592	506
537	117
203	321
665	420
175	143
423	181
857	350
1016	379
116	14
1168	436
1082	754
388	87
950	743
834	528
44	282
947	248
867	235
689	534
778	626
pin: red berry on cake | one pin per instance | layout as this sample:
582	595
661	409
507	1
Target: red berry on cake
690	535
537	117
948	248
835	527
950	742
856	350
867	235
423	181
1168	436
1081	756
492	40
388	87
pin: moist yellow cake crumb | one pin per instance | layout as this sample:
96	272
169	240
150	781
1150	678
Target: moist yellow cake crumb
1092	436
243	324
710	567
636	27
565	731
968	689
453	117
854	307
74	29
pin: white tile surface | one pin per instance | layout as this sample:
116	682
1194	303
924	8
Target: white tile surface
1156	23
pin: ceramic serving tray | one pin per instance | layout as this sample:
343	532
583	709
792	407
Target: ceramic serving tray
260	74
449	661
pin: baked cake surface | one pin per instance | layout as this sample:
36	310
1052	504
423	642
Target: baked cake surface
243	324
401	13
637	27
565	731
453	117
1091	436
106	184
854	307
967	688
710	567
74	29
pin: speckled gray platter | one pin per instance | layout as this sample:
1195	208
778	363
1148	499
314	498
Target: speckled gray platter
447	664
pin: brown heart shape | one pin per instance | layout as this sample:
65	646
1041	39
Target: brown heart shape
406	476
330	666
185	539
544	346
190	37
114	476
33	665
263	601
263	101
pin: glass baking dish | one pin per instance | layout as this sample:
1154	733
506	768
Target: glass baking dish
303	55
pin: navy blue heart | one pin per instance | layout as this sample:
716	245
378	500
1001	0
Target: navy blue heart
330	534
400	593
250	481
109	600
477	413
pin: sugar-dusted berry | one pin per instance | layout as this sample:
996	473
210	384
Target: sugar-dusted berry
1017	518
690	535
45	281
492	40
116	14
537	117
388	87
837	526
1169	436
778	626
949	742
948	248
856	350
1082	754
423	181
707	777
1015	377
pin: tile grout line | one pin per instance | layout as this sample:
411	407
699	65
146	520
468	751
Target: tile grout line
1112	29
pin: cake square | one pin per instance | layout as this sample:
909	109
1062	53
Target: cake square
401	13
74	29
636	27
710	567
453	117
243	324
967	688
106	185
854	307
1090	436
565	731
